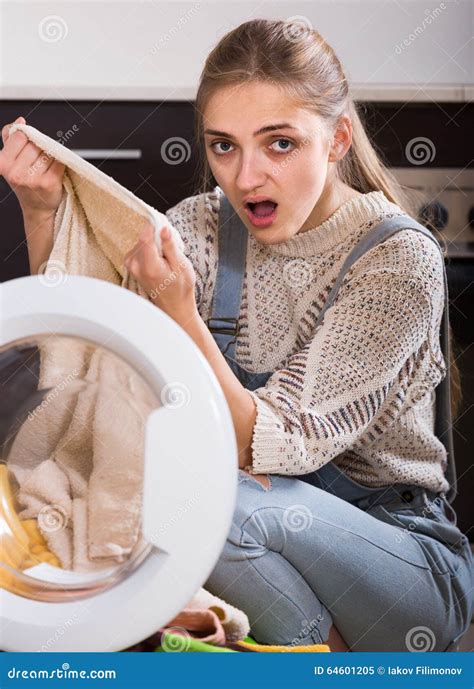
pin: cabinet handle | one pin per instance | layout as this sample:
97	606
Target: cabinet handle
108	153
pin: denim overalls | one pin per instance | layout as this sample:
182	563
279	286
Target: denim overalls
428	516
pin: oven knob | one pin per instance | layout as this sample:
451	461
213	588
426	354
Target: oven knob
470	217
434	214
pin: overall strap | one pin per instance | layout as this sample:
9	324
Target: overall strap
443	420
232	253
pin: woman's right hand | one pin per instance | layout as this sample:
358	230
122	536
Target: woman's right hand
35	177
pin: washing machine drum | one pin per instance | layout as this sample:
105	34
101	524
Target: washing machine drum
118	470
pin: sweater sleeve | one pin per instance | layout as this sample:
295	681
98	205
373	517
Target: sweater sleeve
195	219
350	381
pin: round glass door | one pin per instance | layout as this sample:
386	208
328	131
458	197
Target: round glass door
72	422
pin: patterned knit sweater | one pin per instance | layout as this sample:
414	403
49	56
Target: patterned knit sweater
359	388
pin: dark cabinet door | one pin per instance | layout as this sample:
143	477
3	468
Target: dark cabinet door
13	251
147	147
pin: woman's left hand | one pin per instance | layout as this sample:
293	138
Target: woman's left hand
169	280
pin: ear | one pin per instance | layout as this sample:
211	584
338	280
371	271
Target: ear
342	139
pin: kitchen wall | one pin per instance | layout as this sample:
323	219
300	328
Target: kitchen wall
152	50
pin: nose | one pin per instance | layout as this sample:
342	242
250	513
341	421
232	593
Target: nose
251	173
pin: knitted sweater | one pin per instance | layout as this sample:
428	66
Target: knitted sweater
359	389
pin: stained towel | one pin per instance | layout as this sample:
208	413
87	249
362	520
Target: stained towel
94	433
207	618
78	460
98	220
89	507
203	625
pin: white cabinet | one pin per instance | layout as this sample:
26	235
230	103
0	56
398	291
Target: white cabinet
147	49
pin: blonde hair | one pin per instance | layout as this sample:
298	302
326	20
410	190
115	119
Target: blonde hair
299	60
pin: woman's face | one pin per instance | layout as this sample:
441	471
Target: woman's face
260	143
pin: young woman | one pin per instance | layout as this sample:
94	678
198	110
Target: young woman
342	532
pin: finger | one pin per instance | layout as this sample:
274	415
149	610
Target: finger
42	164
13	147
54	171
15	142
133	267
18	143
6	128
151	260
128	256
170	250
133	253
37	167
28	164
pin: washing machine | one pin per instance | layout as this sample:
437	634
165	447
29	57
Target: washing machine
118	468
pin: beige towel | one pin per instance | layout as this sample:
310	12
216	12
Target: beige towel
208	613
234	621
93	431
98	220
78	459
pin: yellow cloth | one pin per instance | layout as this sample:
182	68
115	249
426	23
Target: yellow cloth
21	542
313	648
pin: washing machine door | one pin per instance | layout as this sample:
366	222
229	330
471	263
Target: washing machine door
118	467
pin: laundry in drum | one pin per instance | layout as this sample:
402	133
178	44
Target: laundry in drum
72	422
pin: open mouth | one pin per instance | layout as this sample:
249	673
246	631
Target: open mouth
261	214
262	209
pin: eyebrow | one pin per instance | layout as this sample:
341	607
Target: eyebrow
262	130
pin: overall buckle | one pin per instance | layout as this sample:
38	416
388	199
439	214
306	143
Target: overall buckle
233	329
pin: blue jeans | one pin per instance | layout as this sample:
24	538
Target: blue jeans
388	567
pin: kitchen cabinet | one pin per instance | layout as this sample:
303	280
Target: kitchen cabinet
140	49
147	147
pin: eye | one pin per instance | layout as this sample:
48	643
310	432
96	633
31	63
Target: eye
285	149
217	143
